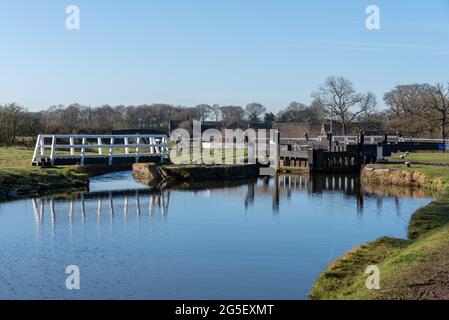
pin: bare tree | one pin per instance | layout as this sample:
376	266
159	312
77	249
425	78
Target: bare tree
204	111
254	111
407	112
232	115
436	101
294	112
13	121
340	99
216	112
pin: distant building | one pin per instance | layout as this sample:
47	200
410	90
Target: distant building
336	129
295	129
369	128
205	125
139	131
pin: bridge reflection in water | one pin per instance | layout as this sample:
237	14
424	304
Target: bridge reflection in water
155	202
111	203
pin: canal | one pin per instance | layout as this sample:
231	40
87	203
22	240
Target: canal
251	239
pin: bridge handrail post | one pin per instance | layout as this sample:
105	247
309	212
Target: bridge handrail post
36	148
72	149
162	149
126	145
137	148
100	142
42	144
111	150
152	141
83	142
53	150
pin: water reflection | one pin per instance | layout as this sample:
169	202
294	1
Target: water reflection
157	199
266	238
102	204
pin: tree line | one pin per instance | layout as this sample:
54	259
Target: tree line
419	110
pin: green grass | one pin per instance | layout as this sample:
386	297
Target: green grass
406	269
19	178
15	157
423	157
344	278
409	269
206	156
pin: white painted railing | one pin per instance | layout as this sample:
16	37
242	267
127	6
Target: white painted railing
78	146
353	139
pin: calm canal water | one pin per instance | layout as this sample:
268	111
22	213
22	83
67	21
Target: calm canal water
259	239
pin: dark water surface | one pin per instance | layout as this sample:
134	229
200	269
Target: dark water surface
259	239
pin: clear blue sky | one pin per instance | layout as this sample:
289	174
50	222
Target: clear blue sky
225	52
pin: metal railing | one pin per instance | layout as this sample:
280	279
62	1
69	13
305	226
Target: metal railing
368	139
52	147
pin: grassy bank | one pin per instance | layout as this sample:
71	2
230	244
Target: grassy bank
19	179
423	157
409	269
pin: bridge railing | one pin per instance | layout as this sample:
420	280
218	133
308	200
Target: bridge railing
52	147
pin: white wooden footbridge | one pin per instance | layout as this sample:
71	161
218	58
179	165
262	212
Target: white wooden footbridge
69	149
